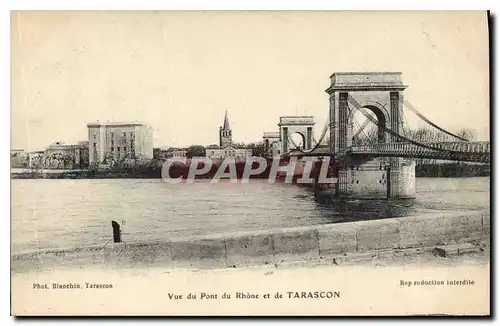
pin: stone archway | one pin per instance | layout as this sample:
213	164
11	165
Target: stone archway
379	116
271	142
380	92
302	125
299	141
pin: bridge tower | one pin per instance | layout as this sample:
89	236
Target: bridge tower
301	125
382	94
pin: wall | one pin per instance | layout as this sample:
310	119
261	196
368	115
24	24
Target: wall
118	141
144	142
94	138
370	179
367	180
120	145
279	245
221	153
403	181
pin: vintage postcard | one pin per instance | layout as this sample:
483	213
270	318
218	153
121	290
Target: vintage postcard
260	163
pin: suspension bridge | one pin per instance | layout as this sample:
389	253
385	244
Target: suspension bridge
380	163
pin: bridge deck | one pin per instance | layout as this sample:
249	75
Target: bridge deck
455	151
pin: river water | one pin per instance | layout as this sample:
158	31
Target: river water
77	213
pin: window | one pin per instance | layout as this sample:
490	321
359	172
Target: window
125	134
112	149
125	148
112	142
118	149
95	144
112	135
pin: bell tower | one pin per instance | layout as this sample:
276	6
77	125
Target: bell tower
225	133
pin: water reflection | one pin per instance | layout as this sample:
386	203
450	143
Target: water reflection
349	210
77	213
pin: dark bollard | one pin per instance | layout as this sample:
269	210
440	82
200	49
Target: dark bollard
388	180
117	236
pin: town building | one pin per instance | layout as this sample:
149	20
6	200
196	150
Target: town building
57	155
35	159
176	152
172	152
67	156
230	151
115	141
18	158
226	147
17	152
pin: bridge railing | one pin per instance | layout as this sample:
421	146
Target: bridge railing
384	148
474	147
464	147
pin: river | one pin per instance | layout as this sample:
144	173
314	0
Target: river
76	213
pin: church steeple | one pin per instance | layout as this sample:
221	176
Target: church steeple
226	125
225	134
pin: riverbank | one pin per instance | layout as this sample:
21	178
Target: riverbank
452	170
73	213
382	282
368	263
274	246
86	174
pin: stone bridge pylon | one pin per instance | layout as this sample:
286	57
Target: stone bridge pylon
382	94
301	125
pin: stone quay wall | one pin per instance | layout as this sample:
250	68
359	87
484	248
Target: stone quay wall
278	245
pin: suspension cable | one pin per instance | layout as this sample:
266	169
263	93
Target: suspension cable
405	123
323	134
360	135
421	116
362	128
357	105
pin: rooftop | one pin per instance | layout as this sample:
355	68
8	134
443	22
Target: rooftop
115	123
271	134
226	125
296	120
176	149
351	81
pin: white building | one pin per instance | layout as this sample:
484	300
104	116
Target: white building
175	152
119	140
221	153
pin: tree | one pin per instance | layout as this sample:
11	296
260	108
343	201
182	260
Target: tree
156	152
195	150
467	133
258	149
108	159
239	145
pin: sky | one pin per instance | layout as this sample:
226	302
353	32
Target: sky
180	71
